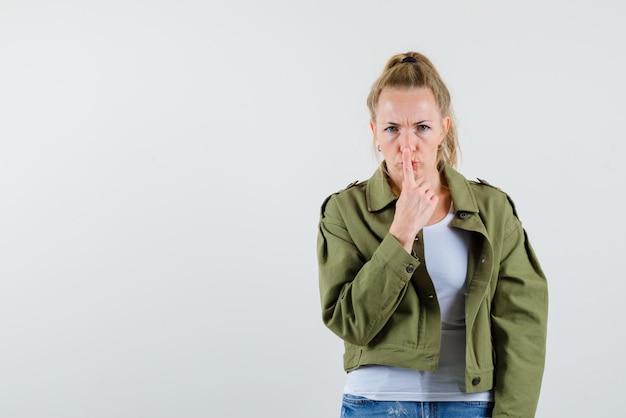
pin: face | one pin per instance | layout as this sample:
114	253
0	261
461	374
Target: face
409	118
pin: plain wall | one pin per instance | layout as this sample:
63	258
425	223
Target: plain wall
162	164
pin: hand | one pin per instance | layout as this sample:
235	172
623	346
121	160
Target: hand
415	206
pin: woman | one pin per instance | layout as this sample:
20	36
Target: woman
427	277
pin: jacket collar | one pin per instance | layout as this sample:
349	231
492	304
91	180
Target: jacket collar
379	195
462	195
378	192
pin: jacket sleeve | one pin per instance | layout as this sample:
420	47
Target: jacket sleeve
358	295
519	321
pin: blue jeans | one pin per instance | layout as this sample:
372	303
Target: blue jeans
357	406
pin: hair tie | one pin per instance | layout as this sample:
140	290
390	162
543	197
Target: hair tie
409	59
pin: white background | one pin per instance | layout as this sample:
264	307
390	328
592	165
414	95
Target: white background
162	164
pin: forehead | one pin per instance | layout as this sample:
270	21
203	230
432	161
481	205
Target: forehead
407	103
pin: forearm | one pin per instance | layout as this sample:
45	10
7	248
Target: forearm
359	296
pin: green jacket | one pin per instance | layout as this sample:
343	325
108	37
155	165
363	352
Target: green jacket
380	300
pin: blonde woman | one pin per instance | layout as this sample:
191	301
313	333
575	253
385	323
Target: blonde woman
429	278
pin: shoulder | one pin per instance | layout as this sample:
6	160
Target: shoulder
351	195
486	193
484	187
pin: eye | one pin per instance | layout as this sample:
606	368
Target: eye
423	128
391	129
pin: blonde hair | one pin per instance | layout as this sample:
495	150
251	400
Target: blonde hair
414	70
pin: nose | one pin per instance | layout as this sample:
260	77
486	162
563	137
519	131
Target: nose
407	140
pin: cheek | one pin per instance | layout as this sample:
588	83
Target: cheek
386	150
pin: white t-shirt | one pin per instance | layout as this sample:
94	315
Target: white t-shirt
446	251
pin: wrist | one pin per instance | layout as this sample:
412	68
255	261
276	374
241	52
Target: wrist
404	239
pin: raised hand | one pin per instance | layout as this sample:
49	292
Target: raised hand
415	206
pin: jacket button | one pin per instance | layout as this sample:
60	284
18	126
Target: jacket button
463	215
410	268
475	381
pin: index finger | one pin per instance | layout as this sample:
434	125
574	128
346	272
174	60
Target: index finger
407	168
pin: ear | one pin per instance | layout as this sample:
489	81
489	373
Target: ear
373	126
446	125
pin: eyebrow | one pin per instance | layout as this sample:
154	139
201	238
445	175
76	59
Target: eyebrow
416	123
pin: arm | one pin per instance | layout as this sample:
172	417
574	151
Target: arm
519	322
358	295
